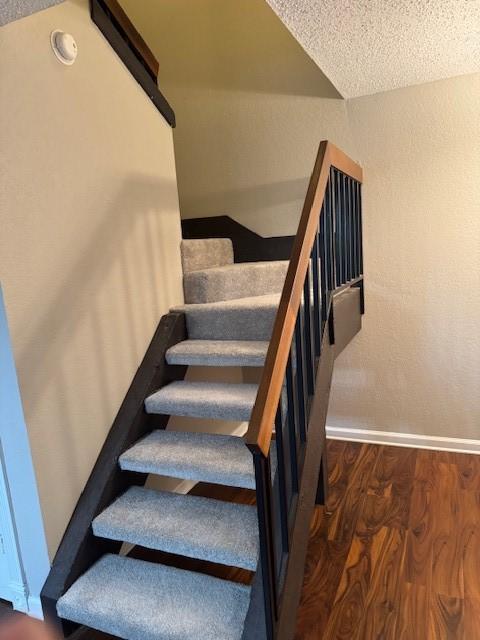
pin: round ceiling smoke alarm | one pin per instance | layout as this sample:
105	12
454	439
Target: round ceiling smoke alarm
64	46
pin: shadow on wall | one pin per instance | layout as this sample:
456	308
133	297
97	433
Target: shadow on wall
228	45
112	297
387	391
251	108
246	201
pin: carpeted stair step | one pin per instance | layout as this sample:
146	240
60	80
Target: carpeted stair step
138	600
196	527
202	457
218	353
215	400
204	253
234	281
240	319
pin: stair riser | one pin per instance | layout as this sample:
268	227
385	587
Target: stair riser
196	553
241	281
216	361
231	324
241	481
233	414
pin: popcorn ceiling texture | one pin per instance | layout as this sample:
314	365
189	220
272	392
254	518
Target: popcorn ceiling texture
11	10
369	46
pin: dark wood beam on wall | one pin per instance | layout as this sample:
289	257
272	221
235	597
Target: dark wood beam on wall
132	49
132	37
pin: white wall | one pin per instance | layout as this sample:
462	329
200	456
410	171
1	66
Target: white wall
21	522
415	367
89	242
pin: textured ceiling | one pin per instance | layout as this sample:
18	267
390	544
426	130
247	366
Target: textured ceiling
367	46
11	10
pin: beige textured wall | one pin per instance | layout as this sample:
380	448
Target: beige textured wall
251	108
89	241
415	367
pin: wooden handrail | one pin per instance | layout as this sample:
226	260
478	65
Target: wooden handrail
131	34
262	420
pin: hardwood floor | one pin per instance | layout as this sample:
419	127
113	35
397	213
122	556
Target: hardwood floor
398	556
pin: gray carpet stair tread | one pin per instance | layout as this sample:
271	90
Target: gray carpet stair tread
241	319
203	457
192	526
138	600
218	353
232	281
214	400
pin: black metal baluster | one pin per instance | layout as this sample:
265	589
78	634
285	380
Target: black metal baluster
349	184
332	239
338	229
301	378
331	189
323	256
316	294
292	423
360	227
282	480
344	212
309	350
266	534
354	230
346	223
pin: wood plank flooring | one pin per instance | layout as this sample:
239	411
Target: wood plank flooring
398	555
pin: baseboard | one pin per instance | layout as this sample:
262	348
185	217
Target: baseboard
35	607
437	443
16	593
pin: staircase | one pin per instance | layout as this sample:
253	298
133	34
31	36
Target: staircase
235	315
186	604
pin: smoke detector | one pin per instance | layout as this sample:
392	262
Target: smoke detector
64	46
